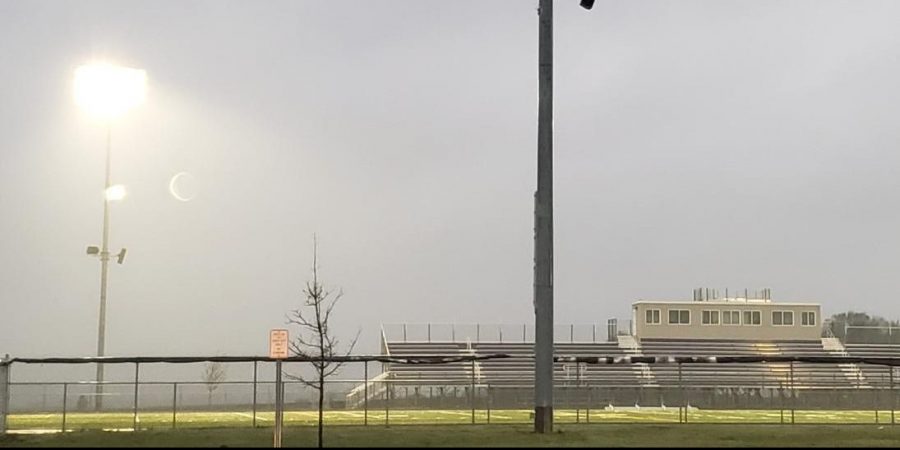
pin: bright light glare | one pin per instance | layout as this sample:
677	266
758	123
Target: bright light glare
115	192
108	91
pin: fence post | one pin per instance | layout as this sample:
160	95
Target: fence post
477	332
577	391
255	367
175	403
587	409
524	333
279	405
4	392
365	392
488	402
137	368
387	403
876	391
781	397
472	391
682	409
875	401
404	332
594	333
65	396
893	395
571	332
793	393
429	332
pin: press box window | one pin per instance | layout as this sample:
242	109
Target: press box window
710	317
782	318
679	317
752	318
731	317
653	316
808	318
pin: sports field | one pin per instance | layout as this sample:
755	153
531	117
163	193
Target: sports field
583	435
238	419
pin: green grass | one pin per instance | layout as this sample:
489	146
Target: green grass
593	435
163	420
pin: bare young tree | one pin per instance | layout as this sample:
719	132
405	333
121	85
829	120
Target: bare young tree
315	339
213	373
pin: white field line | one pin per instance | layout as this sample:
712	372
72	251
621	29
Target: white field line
250	416
33	431
460	413
68	430
347	413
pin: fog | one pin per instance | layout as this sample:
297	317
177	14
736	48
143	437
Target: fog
741	144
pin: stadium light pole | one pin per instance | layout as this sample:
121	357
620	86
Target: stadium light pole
106	92
543	225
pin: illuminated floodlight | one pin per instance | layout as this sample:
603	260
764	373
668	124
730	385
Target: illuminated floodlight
107	91
115	192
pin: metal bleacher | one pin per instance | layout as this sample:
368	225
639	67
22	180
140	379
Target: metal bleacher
763	374
509	382
518	369
872	375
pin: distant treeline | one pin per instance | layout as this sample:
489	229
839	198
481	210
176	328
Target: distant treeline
882	331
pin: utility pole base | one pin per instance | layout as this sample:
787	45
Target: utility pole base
543	419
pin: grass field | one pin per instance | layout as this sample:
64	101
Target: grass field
244	419
584	435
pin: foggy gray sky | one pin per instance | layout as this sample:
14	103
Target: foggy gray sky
697	143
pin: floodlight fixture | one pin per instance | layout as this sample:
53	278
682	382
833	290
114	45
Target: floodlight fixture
115	192
107	91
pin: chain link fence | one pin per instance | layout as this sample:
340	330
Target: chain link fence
377	399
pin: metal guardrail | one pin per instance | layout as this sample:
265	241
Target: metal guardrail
489	333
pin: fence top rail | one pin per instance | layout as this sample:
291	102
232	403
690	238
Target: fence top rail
417	359
882	361
487	324
169	383
446	359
